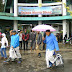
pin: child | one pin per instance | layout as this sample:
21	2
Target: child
4	44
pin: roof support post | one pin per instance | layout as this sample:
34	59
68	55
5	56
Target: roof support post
39	4
15	14
64	21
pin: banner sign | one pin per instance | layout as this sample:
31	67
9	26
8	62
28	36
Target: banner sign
50	10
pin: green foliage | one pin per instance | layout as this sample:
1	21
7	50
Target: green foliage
61	31
1	6
28	31
57	0
68	9
19	27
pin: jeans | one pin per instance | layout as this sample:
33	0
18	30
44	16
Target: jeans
44	46
3	54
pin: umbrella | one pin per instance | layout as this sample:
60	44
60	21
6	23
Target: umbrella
43	28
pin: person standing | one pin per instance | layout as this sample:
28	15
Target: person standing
4	44
51	44
44	35
14	48
65	38
38	43
25	38
20	38
58	37
61	37
32	39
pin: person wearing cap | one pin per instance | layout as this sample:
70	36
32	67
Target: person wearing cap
14	48
4	44
25	38
51	45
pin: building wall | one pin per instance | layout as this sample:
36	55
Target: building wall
6	25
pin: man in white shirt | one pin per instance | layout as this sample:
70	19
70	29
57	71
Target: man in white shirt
20	38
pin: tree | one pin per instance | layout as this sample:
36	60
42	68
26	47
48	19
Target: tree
1	5
58	0
68	9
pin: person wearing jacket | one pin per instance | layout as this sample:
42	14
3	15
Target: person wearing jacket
38	43
25	38
4	44
51	44
44	35
14	48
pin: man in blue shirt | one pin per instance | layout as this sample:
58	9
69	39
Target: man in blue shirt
14	48
51	44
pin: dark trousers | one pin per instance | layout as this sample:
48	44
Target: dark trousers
25	45
20	44
43	46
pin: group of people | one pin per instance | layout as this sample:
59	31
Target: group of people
30	37
14	47
36	39
23	37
